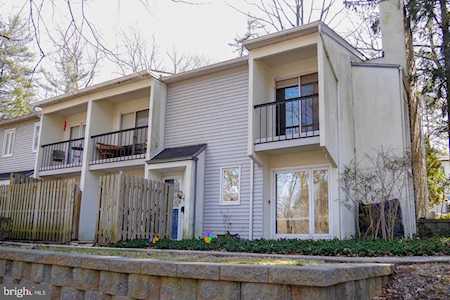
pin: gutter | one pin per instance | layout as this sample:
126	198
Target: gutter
194	201
250	222
253	160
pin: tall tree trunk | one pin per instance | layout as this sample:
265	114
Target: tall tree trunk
418	161
445	23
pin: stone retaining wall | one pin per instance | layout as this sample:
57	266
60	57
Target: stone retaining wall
71	276
433	227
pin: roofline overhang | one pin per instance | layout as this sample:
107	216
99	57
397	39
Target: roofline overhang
220	66
310	28
281	36
27	117
134	77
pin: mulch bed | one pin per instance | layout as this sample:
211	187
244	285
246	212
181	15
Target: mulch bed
419	281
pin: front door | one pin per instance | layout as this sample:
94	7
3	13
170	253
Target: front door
301	206
177	210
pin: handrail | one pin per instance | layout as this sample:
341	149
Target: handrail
118	131
285	101
62	142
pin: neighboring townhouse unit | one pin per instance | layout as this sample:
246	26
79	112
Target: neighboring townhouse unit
18	146
256	144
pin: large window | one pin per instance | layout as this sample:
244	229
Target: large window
230	185
9	137
302	202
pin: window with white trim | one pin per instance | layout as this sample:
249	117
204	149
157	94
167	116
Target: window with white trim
230	185
302	202
8	142
37	129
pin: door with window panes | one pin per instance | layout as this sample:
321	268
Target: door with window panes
301	202
297	111
75	151
134	131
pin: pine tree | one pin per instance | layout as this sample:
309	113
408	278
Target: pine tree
15	68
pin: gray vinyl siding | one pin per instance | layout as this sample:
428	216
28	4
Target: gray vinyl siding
213	109
23	156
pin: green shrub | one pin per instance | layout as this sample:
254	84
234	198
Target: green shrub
401	247
444	216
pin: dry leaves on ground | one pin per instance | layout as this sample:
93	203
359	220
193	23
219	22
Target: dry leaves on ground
419	281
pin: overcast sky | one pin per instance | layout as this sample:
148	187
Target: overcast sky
192	29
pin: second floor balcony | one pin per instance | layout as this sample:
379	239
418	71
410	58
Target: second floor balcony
290	119
121	145
65	154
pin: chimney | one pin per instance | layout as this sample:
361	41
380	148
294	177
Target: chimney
393	31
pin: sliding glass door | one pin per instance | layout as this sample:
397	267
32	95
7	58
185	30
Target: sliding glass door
301	202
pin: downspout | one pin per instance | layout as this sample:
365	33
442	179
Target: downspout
250	222
195	195
252	188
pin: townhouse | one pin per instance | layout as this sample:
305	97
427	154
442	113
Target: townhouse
255	144
18	145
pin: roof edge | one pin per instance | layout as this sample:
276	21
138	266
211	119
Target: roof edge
375	65
30	116
142	75
283	35
216	67
324	28
181	158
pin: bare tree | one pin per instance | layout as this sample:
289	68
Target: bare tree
251	32
265	16
366	32
74	67
138	55
179	62
375	185
77	19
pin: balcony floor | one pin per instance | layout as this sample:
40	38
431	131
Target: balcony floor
281	143
118	164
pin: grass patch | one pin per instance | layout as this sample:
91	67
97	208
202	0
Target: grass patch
400	247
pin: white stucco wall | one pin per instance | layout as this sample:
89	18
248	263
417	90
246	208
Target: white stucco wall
381	121
338	134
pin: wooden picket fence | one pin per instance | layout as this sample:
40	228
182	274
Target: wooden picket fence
133	208
41	210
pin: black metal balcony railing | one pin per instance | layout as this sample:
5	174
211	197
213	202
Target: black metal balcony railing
66	154
286	120
119	145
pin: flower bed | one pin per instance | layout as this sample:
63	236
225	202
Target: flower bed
405	247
